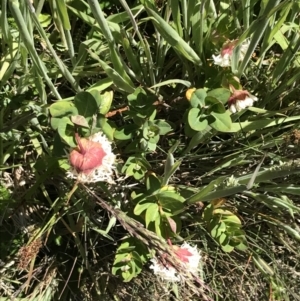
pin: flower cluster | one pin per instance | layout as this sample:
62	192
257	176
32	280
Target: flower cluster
224	58
187	254
92	160
240	100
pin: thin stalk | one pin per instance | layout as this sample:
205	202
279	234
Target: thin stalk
202	12
4	25
185	20
64	70
70	47
246	13
39	7
99	16
18	17
1	139
58	22
235	17
143	42
212	9
261	23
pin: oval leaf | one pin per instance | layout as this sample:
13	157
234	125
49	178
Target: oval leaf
196	122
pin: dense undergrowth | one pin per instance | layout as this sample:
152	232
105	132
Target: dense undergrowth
198	103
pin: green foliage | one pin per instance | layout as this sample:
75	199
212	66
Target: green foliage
122	67
81	113
208	110
225	227
159	206
145	128
130	257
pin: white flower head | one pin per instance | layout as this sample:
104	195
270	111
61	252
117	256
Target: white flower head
224	58
188	255
164	272
232	182
92	160
240	100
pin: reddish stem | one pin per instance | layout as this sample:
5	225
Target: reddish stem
81	148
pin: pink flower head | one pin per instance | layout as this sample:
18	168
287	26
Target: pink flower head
183	254
227	49
224	58
92	160
187	254
240	99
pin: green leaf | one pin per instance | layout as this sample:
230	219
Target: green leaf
221	94
138	171
152	183
131	56
151	131
172	82
241	247
62	10
117	79
142	206
171	201
151	214
214	105
207	194
141	102
259	124
45	20
163	126
103	101
126	132
227	248
222	121
86	104
218	229
106	128
170	169
270	174
171	36
63	108
198	98
208	213
101	85
54	122
196	121
221	239
66	131
227	216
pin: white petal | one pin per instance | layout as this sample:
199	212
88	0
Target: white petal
165	273
232	108
254	98
239	105
248	102
222	61
193	259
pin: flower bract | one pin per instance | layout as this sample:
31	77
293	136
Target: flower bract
92	160
240	100
224	58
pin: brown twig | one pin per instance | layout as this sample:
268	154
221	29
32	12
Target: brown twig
126	108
